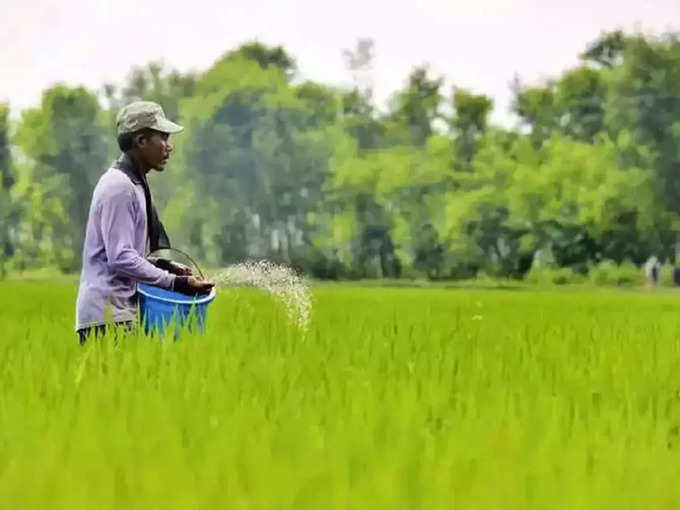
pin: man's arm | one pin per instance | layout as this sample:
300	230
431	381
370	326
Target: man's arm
171	266
117	223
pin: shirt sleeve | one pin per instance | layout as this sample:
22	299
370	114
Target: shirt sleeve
118	227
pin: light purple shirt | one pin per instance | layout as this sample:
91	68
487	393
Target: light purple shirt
116	242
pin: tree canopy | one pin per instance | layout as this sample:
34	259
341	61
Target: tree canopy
322	178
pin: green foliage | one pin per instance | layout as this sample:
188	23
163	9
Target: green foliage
322	178
41	238
644	99
608	272
607	50
535	106
255	153
469	122
154	82
6	177
580	97
553	276
574	105
567	195
266	57
64	150
416	107
8	219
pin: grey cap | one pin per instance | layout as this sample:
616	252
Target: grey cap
144	114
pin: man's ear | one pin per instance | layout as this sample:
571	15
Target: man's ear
140	139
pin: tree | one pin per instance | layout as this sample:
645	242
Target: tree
417	106
154	82
471	113
266	56
644	103
359	62
569	197
573	104
44	235
357	108
476	228
576	199
536	107
607	50
580	99
7	209
317	177
323	103
6	177
64	144
255	153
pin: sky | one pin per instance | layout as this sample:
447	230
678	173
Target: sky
477	44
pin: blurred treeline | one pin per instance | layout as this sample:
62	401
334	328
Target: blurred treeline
321	178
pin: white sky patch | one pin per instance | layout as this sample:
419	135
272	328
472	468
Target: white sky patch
478	45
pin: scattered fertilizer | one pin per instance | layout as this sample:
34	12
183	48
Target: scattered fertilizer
281	282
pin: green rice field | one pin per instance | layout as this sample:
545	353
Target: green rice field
410	398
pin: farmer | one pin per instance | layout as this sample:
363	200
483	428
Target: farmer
123	228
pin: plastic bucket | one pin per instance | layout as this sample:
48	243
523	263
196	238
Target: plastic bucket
159	308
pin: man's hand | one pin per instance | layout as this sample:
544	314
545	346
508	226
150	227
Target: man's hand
200	285
180	269
192	285
171	266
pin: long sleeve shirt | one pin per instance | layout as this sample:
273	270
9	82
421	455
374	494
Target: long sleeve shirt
116	241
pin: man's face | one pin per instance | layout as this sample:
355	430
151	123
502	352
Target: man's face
155	149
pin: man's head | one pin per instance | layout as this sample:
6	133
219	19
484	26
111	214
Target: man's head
144	131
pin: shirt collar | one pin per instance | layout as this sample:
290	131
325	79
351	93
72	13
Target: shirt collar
126	164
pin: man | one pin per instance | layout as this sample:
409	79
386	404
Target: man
123	227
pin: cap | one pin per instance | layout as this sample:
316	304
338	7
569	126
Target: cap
144	114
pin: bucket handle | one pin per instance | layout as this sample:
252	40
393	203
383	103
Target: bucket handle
184	254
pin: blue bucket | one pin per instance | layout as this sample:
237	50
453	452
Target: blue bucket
159	308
